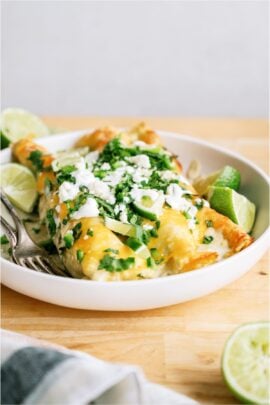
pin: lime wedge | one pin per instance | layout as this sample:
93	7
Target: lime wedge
16	123
226	177
119	227
71	157
148	208
19	184
233	205
245	363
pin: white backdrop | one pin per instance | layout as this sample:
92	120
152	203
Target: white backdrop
182	58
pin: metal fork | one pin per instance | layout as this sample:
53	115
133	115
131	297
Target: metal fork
23	250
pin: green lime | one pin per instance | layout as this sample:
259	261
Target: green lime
71	157
226	177
245	363
119	227
16	123
233	205
149	208
19	184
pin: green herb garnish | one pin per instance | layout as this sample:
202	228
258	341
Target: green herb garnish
150	262
110	250
69	240
77	230
51	222
36	230
36	158
199	204
65	174
4	240
209	223
110	263
90	232
133	243
207	240
80	255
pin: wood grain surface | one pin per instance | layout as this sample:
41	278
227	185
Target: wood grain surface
178	346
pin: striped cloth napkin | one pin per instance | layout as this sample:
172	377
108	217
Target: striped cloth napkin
36	372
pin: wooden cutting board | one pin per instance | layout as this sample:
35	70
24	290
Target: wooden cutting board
178	346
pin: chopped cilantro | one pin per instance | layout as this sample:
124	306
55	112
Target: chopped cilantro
150	262
90	232
187	215
36	158
65	174
155	181
110	263
156	256
4	240
110	250
100	173
207	240
51	222
105	209
80	255
153	233
36	230
69	240
209	223
133	243
77	230
199	204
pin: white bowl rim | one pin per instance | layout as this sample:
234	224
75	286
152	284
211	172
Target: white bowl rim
264	236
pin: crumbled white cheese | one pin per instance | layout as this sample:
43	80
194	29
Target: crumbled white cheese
122	210
141	175
89	209
81	164
174	197
91	158
143	145
115	177
101	189
142	161
83	177
68	191
105	166
168	175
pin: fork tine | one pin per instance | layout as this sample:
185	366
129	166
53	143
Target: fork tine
54	268
41	262
31	263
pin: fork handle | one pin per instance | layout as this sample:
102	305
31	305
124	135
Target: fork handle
20	231
10	232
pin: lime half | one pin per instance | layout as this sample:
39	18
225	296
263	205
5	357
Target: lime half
19	184
226	177
246	363
16	123
234	205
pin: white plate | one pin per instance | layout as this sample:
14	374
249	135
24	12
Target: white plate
145	294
